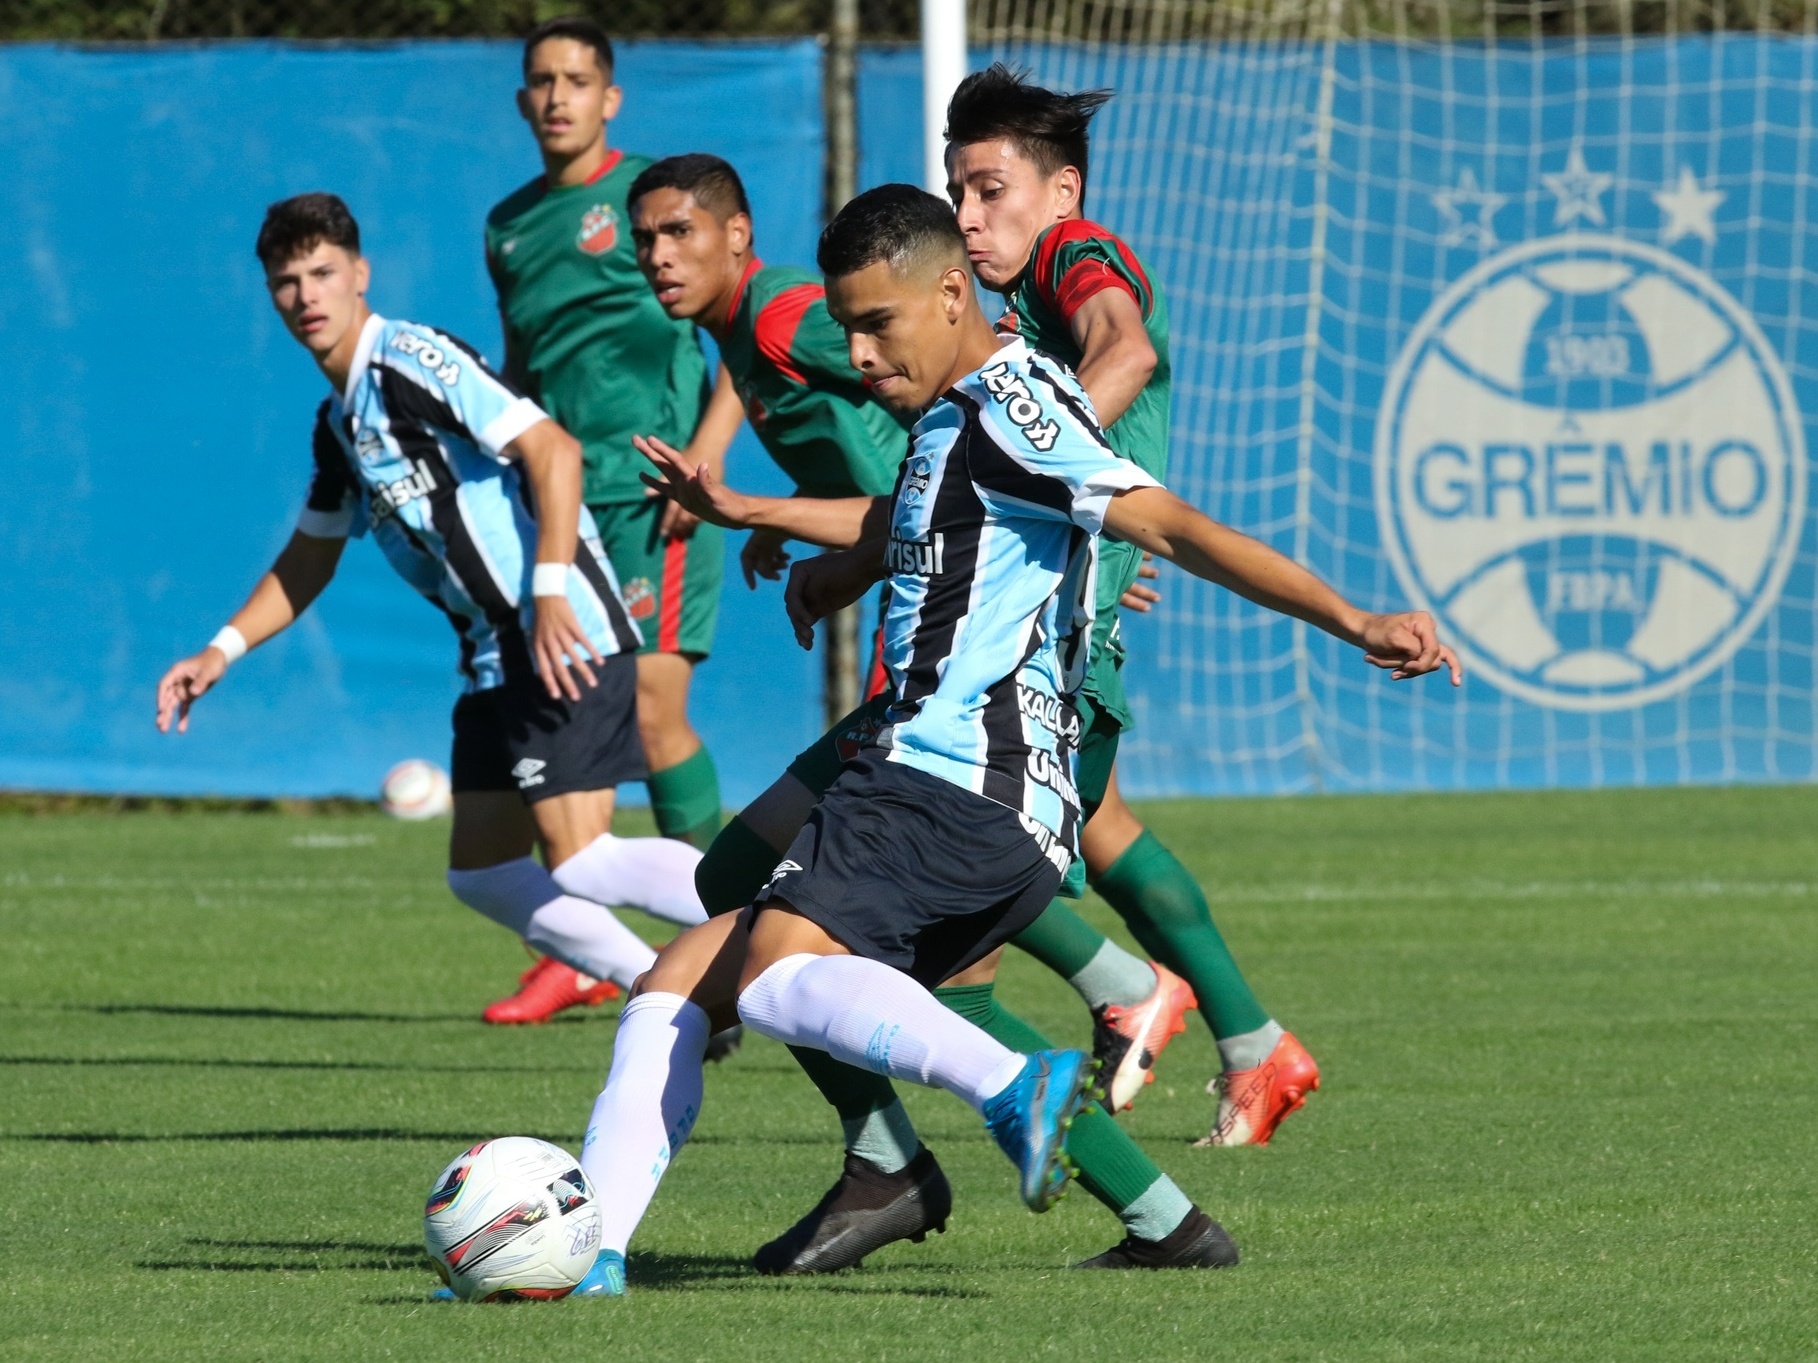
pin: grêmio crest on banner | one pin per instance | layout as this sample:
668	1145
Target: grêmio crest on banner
1588	461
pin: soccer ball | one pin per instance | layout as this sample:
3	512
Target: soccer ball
512	1218
416	789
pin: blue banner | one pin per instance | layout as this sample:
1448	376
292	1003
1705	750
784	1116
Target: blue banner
157	420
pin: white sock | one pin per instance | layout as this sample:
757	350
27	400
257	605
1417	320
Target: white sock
652	874
1114	976
522	896
867	1014
1247	1050
650	1103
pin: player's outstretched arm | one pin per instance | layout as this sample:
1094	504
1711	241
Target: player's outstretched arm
552	465
1405	642
306	566
830	522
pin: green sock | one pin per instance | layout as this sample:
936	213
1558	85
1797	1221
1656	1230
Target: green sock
1111	1166
685	799
1167	913
1061	940
734	869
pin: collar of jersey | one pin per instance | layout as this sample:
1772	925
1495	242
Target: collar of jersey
738	294
614	155
369	337
1012	348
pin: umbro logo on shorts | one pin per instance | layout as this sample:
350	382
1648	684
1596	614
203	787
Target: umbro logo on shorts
783	869
529	773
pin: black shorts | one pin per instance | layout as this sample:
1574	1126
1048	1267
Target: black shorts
905	868
516	737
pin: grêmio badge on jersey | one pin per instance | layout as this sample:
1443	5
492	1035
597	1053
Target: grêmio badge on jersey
1588	461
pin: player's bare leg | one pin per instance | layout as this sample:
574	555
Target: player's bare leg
684	787
1266	1074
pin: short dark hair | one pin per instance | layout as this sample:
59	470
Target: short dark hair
1046	126
714	183
893	223
578	29
296	226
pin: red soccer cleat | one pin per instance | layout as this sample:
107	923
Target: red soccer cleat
548	988
1252	1103
1128	1041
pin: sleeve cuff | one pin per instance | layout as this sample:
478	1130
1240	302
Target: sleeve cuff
1093	496
326	525
508	425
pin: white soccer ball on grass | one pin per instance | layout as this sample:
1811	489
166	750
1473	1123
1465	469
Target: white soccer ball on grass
416	789
511	1219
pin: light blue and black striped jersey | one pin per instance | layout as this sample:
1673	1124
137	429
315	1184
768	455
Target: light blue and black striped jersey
412	449
992	562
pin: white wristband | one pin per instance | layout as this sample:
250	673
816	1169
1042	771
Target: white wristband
231	642
549	579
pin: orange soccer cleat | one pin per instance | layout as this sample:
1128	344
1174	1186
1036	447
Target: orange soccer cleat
548	988
1252	1103
1128	1041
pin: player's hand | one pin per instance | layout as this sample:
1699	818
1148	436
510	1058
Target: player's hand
560	644
1138	597
692	486
764	556
826	583
679	523
185	684
1408	644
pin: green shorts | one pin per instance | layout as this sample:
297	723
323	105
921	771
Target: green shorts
671	587
817	766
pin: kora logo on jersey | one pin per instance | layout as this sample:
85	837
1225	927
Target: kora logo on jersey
599	230
1589	465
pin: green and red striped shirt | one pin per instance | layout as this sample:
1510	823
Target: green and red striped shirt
809	406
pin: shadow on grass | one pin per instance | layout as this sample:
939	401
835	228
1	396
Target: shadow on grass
299	1256
659	1272
281	1014
221	1064
359	1133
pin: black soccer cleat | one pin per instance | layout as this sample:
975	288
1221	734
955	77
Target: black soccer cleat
866	1210
1197	1242
722	1044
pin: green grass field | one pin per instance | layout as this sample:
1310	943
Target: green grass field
1568	1109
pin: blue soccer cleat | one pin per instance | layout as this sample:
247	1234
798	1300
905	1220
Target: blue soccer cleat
605	1279
1030	1120
443	1294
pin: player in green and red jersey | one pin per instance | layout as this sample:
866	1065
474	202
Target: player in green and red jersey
1016	167
586	340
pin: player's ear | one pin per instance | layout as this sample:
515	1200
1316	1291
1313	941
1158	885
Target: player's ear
956	291
362	275
1069	189
524	103
609	108
738	231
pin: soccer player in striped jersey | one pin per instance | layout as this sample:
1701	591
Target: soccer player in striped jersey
584	338
442	462
952	829
1016	164
788	358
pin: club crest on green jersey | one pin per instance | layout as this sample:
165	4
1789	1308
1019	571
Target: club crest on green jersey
599	230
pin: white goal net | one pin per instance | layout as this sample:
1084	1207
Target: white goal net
1506	313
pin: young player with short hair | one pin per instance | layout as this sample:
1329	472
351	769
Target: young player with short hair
441	461
1017	163
584	338
692	225
950	831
